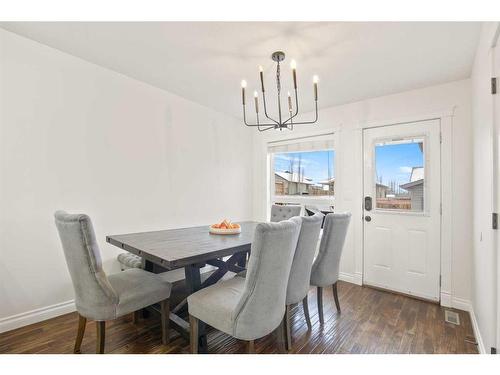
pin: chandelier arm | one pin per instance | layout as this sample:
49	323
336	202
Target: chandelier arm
309	122
265	109
247	124
258	123
263	130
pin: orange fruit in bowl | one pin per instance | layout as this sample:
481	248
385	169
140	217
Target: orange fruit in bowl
225	224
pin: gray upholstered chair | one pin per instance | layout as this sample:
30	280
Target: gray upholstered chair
129	260
280	212
252	307
300	274
97	296
325	270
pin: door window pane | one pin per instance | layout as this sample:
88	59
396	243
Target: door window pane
400	174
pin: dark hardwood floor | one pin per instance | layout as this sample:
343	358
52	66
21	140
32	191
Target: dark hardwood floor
371	321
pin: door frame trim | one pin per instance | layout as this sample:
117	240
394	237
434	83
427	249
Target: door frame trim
446	123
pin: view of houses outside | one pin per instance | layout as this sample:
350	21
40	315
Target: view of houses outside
400	175
304	173
399	181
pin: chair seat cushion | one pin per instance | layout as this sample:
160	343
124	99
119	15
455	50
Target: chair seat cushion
137	289
215	305
130	260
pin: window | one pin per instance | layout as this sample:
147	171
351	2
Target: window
302	172
400	172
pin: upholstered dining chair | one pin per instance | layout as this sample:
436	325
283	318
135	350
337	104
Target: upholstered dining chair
252	307
325	270
300	274
97	296
280	212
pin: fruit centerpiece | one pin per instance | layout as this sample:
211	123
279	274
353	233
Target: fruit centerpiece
225	227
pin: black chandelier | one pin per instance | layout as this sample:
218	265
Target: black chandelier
281	123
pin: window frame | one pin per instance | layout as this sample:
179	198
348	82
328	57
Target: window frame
393	211
303	200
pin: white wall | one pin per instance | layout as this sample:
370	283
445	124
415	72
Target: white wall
82	138
484	272
346	121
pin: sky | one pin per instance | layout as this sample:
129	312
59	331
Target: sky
393	162
314	164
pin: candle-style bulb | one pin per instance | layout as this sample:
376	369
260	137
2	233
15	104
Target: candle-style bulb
243	85
261	74
256	100
293	65
315	81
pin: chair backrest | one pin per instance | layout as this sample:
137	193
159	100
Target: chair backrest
262	304
93	293
300	274
311	210
280	213
325	270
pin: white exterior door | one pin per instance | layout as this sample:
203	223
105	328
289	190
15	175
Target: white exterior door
402	208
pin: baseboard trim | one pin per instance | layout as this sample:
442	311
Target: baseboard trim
461	304
445	299
34	316
477	333
349	278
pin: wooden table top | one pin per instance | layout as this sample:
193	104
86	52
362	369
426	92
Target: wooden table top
175	248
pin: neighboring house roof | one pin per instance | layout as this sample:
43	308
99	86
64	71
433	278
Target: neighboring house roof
411	185
416	178
417	173
328	181
293	177
382	186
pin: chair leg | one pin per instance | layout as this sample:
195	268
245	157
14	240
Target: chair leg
336	297
251	347
280	333
101	334
320	304
305	307
82	322
136	316
288	331
165	321
193	329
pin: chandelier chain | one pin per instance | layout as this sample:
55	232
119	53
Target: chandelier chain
278	81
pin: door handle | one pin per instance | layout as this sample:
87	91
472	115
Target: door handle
368	218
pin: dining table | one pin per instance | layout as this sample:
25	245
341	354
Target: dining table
192	249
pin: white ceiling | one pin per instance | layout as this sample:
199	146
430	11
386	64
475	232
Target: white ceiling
205	61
